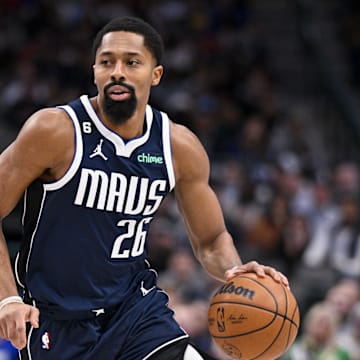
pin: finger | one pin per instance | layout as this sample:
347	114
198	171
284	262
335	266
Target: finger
33	317
284	280
252	266
273	273
277	275
257	268
17	334
229	274
236	270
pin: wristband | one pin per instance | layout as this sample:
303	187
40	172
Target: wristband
9	300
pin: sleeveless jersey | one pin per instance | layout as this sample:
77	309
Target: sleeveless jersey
85	234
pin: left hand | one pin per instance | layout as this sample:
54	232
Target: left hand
258	269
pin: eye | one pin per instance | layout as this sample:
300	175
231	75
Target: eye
104	62
133	62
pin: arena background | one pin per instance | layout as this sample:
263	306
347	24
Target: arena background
271	87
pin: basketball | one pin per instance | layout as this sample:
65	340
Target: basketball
252	317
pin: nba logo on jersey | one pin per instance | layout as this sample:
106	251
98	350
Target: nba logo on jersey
45	341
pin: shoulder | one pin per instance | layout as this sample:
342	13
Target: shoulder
48	121
48	127
47	141
189	156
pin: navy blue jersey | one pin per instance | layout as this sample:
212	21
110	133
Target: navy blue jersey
85	234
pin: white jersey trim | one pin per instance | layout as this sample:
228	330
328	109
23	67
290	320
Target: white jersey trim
78	153
31	244
34	232
121	148
165	344
29	342
167	150
16	271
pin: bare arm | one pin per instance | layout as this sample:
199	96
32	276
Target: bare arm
38	152
213	245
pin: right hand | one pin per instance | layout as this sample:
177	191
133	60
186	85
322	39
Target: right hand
13	319
258	269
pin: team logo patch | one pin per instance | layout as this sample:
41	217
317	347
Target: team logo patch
45	341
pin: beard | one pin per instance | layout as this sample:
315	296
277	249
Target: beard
119	112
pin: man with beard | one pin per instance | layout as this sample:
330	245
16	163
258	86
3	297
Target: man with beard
94	172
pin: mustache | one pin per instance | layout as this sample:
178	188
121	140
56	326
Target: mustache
119	83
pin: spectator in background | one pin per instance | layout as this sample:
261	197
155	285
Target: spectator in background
323	222
343	297
333	251
346	176
317	341
290	181
186	276
264	237
344	250
294	241
350	338
250	148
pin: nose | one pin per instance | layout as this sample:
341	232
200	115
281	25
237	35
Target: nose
118	71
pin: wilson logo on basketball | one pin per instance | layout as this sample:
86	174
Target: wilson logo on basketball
230	288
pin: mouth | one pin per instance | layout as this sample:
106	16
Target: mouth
119	93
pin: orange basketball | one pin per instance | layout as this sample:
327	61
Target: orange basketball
252	317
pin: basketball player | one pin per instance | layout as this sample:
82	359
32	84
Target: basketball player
94	172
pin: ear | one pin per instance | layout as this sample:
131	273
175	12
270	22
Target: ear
157	74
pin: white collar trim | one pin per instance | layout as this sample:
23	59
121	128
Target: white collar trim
121	148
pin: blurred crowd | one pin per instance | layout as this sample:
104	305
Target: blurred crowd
286	201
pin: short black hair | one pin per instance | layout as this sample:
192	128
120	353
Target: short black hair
152	39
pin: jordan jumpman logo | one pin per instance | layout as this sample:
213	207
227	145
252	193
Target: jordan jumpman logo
98	151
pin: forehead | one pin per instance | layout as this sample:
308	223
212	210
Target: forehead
119	42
